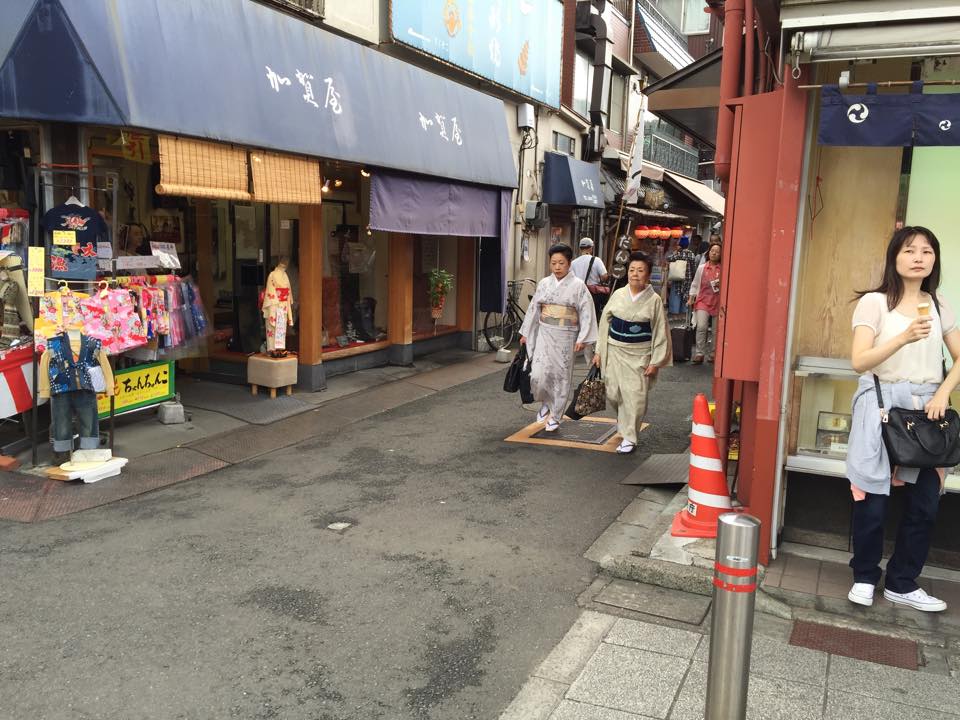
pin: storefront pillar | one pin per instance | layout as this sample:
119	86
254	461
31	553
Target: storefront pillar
310	375
400	292
466	291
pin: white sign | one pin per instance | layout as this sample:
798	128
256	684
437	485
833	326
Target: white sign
166	253
137	262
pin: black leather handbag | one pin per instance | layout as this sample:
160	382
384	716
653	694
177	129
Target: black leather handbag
913	440
517	378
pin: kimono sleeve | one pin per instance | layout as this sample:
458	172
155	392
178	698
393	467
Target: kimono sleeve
695	283
588	316
661	352
533	312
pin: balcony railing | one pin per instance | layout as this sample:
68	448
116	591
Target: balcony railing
670	154
650	6
624	7
307	8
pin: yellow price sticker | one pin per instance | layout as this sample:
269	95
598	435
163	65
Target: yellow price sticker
64	237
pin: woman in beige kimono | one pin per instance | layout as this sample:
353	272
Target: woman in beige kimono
559	322
632	347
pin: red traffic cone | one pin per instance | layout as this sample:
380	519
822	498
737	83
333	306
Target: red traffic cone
708	495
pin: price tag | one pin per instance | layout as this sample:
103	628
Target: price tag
35	263
64	237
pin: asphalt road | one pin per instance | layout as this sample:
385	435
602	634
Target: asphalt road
227	597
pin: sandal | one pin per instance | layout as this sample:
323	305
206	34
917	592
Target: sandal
552	425
542	415
626	447
697	360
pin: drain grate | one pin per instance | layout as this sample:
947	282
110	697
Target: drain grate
856	644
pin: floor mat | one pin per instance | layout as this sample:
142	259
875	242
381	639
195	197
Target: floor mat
590	433
661	470
856	644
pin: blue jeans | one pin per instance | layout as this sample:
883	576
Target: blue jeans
63	408
676	299
913	536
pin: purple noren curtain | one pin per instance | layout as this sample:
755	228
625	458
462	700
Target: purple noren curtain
427	206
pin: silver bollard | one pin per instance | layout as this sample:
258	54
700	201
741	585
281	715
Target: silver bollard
731	629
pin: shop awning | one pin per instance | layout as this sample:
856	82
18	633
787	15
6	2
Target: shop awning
710	200
243	73
568	181
690	97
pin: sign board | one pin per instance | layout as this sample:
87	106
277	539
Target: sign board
137	262
139	387
516	45
166	254
35	265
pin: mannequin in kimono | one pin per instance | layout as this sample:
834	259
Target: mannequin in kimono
278	308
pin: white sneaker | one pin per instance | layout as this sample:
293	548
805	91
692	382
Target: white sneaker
861	594
552	425
918	600
542	415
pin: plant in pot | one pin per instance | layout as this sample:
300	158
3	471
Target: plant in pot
440	283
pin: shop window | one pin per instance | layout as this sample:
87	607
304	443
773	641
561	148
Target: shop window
434	255
355	291
582	81
564	143
618	93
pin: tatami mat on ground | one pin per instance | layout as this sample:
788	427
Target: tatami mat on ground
533	434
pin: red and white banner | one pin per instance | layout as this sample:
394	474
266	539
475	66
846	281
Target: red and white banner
16	381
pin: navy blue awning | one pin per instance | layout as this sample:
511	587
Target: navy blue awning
568	181
240	72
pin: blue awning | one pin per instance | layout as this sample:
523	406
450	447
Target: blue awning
568	181
244	73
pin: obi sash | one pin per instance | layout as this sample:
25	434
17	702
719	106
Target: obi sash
627	331
559	315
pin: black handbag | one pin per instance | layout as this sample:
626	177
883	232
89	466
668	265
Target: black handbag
913	440
518	368
589	397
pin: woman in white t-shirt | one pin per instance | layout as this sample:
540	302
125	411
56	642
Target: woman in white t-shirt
899	329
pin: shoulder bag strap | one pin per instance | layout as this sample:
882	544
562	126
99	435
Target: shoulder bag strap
594	259
876	384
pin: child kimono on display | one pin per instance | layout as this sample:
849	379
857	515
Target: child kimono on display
73	370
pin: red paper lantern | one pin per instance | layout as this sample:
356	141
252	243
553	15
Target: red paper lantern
641	232
676	233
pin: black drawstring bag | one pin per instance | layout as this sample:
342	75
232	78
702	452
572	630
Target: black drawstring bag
517	378
914	440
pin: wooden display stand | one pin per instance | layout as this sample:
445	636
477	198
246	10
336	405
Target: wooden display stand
273	373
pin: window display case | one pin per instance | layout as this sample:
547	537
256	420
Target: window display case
823	390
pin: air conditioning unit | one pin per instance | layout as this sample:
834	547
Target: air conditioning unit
535	214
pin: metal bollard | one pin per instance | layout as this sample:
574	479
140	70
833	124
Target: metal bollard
731	629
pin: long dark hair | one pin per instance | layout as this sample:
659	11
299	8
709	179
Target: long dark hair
892	284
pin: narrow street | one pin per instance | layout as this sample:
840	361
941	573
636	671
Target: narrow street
227	596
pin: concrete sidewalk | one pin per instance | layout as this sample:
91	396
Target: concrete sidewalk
612	668
163	455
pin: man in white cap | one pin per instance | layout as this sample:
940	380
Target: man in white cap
592	271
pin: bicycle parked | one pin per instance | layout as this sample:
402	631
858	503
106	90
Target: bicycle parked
501	329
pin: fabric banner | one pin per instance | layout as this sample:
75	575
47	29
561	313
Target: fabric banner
866	120
889	120
16	381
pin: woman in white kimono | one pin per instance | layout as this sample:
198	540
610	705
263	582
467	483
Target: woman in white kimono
559	322
633	346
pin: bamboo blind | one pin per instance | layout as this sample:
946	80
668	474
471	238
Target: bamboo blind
285	179
197	168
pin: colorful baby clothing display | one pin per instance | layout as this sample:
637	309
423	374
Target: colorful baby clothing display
59	311
111	317
71	373
73	231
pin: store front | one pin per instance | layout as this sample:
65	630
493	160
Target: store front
312	98
808	219
240	161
